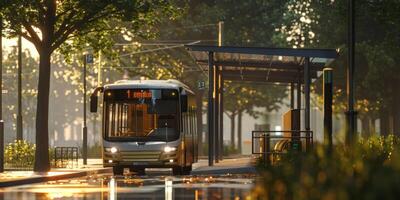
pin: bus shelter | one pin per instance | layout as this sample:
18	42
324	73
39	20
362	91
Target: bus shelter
296	67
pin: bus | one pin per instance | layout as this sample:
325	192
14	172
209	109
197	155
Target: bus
147	124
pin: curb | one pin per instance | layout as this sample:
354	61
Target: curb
222	171
40	179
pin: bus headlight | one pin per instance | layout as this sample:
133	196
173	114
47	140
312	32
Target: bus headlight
168	149
112	149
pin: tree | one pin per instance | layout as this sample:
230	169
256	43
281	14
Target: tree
245	97
49	23
377	52
29	79
199	22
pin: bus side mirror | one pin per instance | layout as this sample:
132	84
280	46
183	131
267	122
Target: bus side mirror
184	103
93	103
94	99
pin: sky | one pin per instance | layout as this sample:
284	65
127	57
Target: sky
9	43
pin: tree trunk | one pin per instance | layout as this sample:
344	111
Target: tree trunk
232	117
199	116
365	132
396	114
372	127
42	163
384	122
239	132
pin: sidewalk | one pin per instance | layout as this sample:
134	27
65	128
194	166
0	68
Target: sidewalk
241	165
13	178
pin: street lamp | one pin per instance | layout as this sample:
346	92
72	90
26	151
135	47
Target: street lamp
1	99
351	114
19	108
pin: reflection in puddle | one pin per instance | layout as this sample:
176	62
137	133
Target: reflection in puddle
112	185
168	189
113	188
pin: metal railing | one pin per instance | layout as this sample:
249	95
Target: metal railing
66	157
270	145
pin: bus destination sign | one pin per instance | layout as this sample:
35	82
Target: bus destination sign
139	94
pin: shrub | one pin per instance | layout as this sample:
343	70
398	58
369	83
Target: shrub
20	154
368	170
229	150
94	151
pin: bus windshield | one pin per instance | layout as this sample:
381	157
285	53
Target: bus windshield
141	115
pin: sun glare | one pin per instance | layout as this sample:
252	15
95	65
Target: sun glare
26	45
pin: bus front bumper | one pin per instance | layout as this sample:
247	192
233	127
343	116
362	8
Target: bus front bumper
140	159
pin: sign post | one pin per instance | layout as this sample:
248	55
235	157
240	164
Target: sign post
87	59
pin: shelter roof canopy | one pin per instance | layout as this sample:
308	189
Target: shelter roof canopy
258	62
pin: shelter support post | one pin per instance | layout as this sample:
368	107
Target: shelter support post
328	95
298	105
291	96
210	115
216	113
307	82
297	125
298	90
221	114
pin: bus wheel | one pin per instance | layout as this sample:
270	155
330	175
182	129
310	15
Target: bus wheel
186	170
118	170
177	170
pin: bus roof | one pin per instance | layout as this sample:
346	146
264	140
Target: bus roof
147	84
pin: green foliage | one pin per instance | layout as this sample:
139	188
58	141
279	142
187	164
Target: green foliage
368	170
227	151
19	154
50	24
29	92
94	151
76	20
230	150
376	53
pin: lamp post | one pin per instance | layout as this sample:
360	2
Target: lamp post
1	99
351	114
19	111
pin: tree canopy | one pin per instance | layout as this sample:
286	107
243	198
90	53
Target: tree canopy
48	24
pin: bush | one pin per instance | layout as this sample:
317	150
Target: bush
94	151
20	154
368	170
229	150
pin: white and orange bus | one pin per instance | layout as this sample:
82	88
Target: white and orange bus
148	124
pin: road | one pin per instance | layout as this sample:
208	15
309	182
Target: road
154	185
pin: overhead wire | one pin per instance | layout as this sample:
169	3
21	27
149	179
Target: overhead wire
158	49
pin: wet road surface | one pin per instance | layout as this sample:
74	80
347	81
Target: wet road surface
153	186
